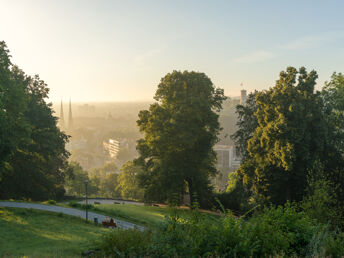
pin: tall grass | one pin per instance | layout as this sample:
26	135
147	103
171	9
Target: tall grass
281	231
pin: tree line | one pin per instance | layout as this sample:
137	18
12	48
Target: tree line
107	181
290	137
32	148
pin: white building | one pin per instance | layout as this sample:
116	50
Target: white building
227	156
112	146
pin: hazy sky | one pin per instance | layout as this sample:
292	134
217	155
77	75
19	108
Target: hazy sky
119	50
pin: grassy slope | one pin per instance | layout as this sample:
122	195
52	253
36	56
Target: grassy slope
43	234
148	216
143	215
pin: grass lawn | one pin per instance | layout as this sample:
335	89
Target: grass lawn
37	233
143	215
148	216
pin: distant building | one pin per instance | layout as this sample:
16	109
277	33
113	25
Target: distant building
70	117
243	97
112	146
227	156
61	119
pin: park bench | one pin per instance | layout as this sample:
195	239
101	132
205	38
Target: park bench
109	224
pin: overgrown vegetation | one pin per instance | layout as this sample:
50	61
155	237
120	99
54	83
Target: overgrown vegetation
281	231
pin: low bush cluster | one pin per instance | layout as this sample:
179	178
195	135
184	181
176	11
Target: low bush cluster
281	231
80	206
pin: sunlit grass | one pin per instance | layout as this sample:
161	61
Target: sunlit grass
36	233
149	216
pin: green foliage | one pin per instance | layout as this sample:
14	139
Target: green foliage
277	231
81	206
148	216
128	182
334	244
320	201
32	148
125	243
290	136
179	133
75	183
235	198
333	97
280	231
247	124
74	204
104	181
52	202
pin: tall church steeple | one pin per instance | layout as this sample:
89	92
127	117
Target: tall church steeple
70	117
61	120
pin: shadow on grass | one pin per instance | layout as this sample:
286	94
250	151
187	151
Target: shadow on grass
42	234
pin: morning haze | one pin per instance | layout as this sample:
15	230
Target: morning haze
118	51
171	128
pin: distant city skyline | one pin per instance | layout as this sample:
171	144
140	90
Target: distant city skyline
104	51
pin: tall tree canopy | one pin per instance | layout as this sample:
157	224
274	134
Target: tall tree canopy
180	130
32	148
291	135
333	97
247	124
128	183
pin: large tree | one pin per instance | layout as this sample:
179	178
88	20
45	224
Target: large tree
247	124
14	128
180	130
333	97
289	139
32	148
128	183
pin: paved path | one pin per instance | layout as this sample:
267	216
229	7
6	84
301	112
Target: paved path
68	211
112	201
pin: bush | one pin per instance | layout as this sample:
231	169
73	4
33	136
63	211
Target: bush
334	245
52	202
320	202
80	206
125	243
89	206
290	231
74	204
277	231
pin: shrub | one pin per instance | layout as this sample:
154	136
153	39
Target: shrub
80	206
52	202
289	230
334	245
74	204
236	196
89	206
320	202
125	243
276	231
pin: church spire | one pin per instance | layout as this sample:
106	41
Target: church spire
61	120
70	117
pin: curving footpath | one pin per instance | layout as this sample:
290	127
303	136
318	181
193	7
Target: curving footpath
68	211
